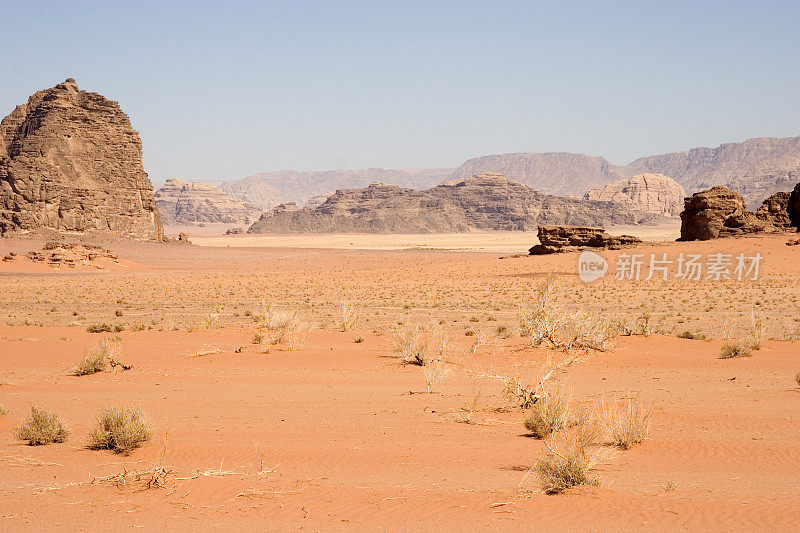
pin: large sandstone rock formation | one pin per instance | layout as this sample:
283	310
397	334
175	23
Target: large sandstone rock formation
487	201
718	212
793	207
70	161
774	211
654	193
182	202
556	239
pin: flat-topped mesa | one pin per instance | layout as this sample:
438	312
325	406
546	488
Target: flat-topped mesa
70	161
719	212
183	202
654	193
557	239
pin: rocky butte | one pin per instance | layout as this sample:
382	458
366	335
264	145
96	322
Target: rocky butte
70	161
183	202
487	201
654	193
721	212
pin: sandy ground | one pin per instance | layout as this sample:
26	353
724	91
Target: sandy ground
335	434
499	241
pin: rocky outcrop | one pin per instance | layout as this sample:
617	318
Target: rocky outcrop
654	193
70	161
487	201
718	212
72	255
556	239
774	211
793	207
182	202
269	189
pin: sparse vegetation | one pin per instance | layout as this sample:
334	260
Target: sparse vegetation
569	463
626	426
3	410
103	327
358	340
42	427
502	331
731	350
120	430
553	412
349	315
692	336
98	358
797	378
409	345
434	373
546	320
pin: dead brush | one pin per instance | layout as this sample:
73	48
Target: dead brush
98	357
553	412
120	430
548	321
274	319
735	349
434	373
42	427
570	461
409	345
628	425
349	315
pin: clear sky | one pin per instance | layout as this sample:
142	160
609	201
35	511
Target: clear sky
220	90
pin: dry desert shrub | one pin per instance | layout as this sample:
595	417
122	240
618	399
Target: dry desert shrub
692	336
42	427
756	334
98	357
120	430
409	345
278	319
415	346
349	315
628	425
552	412
434	373
797	378
104	327
547	320
735	349
570	462
4	411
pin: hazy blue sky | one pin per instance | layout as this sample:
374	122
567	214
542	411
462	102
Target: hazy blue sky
219	90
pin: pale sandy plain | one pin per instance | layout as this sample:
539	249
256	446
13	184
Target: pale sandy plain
337	435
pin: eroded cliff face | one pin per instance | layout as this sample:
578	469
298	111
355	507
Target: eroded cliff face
654	193
487	201
70	161
183	202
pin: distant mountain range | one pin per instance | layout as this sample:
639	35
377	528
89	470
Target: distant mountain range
756	168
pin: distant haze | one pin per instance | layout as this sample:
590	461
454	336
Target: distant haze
220	93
